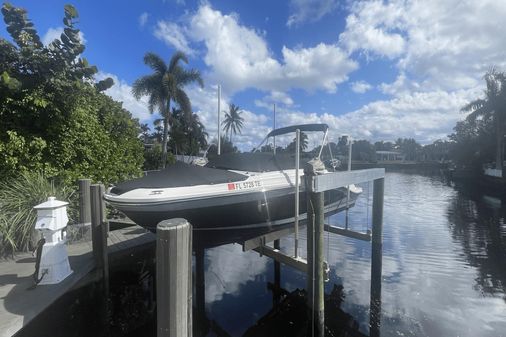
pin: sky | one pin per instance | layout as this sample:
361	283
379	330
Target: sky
375	70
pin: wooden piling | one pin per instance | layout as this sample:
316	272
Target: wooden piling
98	230
376	257
277	274
315	223
173	278
84	201
99	244
200	288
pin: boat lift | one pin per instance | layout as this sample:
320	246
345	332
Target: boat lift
314	266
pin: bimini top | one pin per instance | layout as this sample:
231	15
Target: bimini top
302	128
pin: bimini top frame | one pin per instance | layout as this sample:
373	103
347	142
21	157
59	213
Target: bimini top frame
293	128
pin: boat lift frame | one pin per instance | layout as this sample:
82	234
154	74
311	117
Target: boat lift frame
314	266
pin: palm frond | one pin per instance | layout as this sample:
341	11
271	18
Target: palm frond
189	76
146	85
170	84
155	62
174	60
474	105
183	101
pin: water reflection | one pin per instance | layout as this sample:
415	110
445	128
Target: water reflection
477	221
443	265
285	315
226	277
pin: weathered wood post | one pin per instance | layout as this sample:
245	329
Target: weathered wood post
84	202
173	278
200	293
376	257
99	230
277	275
99	244
315	219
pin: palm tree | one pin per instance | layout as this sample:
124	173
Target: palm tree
157	134
145	133
492	106
233	120
197	134
187	133
164	86
304	141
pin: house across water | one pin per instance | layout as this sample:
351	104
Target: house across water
389	156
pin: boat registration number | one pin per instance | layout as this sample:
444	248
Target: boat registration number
244	185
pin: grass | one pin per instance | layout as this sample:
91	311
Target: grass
18	196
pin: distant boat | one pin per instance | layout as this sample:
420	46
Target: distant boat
232	191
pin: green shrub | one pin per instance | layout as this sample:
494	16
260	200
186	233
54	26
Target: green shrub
18	196
153	158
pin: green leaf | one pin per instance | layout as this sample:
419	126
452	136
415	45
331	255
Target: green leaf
70	12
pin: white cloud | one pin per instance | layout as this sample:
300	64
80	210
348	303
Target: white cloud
55	33
281	97
174	36
239	57
440	49
372	26
226	276
425	116
143	18
360	87
309	10
444	45
52	34
122	92
278	97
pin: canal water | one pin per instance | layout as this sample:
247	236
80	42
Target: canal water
444	265
444	274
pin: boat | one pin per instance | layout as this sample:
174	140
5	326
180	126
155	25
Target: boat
254	190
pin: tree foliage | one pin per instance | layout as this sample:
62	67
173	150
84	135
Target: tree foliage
187	134
303	143
473	142
53	116
491	110
409	148
363	150
226	146
233	122
164	86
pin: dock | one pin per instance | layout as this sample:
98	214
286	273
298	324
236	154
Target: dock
20	301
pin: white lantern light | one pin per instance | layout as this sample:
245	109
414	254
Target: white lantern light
54	264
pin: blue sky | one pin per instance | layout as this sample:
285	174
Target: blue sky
377	70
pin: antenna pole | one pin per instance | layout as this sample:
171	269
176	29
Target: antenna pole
350	140
219	126
297	178
274	128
